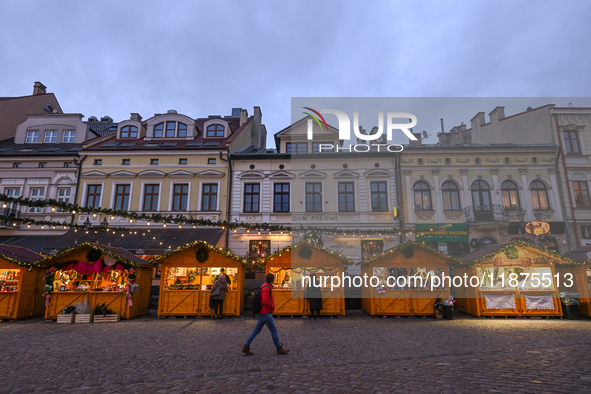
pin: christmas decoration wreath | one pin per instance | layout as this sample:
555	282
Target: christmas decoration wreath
202	254
305	252
408	252
93	255
512	252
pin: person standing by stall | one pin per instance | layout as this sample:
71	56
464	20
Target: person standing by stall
218	293
265	317
314	296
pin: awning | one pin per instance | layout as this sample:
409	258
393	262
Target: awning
142	241
32	242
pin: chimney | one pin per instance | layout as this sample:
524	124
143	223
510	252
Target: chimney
418	142
106	119
497	114
39	88
135	116
478	120
243	116
236	112
92	119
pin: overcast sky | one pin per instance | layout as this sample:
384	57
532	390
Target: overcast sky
205	57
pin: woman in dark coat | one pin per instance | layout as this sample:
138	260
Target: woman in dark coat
218	300
314	296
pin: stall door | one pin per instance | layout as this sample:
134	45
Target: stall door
180	303
7	305
286	305
391	303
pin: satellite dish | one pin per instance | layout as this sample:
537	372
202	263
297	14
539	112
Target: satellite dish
49	109
425	135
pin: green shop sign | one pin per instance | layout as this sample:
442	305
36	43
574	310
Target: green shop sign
442	232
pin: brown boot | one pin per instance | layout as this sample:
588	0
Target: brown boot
282	350
246	350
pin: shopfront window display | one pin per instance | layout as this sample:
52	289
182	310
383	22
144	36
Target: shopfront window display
197	278
511	278
398	281
425	275
9	280
72	280
291	278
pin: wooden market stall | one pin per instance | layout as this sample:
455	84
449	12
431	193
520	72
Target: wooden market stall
581	277
20	284
97	274
292	263
188	274
514	279
394	292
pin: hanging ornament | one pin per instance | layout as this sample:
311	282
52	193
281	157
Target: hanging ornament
202	254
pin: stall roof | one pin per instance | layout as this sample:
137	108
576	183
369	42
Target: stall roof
489	251
144	241
345	260
156	260
36	243
581	254
408	244
18	255
118	253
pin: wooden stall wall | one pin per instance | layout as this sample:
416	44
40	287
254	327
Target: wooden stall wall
27	301
581	276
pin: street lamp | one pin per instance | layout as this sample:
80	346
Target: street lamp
520	216
539	215
96	234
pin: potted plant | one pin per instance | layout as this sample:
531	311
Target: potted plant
102	314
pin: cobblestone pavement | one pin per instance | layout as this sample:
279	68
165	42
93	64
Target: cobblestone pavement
355	353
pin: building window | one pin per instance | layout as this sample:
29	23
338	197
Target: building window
302	147
69	136
125	162
251	197
539	195
158	130
183	161
182	130
68	164
98	162
581	192
346	197
313	197
451	196
281	197
50	137
93	196
422	196
258	249
447	160
477	160
215	130
43	165
12	192
419	161
37	193
129	132
63	195
122	197
571	142
16	165
510	195
154	161
325	148
371	248
288	147
170	129
507	160
151	193
32	137
180	197
379	197
209	197
210	161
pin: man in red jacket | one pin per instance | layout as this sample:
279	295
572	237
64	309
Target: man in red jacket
265	317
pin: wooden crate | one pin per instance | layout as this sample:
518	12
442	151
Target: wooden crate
65	318
84	318
107	318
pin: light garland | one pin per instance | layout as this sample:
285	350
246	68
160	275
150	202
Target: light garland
263	260
411	244
46	261
158	259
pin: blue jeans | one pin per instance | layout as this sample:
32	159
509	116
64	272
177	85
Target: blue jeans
262	320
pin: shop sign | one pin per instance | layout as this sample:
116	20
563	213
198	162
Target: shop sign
442	233
506	261
537	228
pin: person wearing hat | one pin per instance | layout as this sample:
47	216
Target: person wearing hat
218	299
265	318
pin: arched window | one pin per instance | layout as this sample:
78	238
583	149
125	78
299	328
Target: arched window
158	130
129	132
510	195
215	130
422	193
539	195
182	130
451	196
481	195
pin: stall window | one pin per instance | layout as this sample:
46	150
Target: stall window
346	197
281	197
180	196
379	197
313	197
251	197
422	196
581	193
539	195
197	278
391	278
37	193
72	280
571	142
371	248
451	196
209	197
510	195
122	197
259	248
291	278
9	280
420	278
151	194
512	277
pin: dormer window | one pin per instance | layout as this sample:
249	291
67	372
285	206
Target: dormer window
69	136
50	137
215	130
32	137
129	132
173	129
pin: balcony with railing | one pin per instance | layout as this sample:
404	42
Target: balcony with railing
485	213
